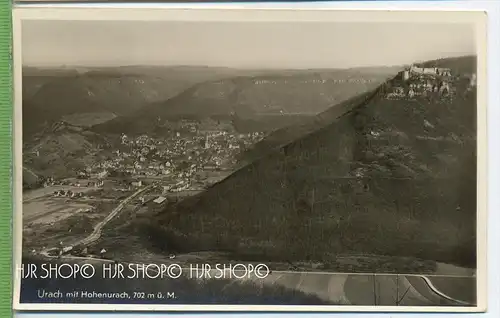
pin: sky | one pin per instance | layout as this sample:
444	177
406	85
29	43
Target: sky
241	44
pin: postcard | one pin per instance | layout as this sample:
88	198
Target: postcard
250	160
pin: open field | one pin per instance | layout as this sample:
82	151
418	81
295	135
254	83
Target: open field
49	221
42	192
75	229
40	208
48	211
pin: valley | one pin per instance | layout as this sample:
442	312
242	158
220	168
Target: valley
312	173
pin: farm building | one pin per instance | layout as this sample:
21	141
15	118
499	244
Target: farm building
159	200
137	183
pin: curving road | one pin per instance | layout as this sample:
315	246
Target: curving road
341	288
96	233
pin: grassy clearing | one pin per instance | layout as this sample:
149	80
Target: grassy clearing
67	230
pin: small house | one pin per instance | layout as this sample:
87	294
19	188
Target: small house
159	200
443	71
137	183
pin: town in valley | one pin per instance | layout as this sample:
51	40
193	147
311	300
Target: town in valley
352	179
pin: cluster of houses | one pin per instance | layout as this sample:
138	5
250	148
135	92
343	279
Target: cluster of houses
68	194
149	160
157	200
95	184
181	185
87	210
178	157
49	182
88	173
90	184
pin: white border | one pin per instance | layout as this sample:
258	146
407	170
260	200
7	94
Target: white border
233	13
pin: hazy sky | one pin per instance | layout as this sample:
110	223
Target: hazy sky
240	44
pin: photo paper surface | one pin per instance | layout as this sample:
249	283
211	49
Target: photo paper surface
277	160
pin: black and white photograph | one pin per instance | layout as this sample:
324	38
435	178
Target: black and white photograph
283	161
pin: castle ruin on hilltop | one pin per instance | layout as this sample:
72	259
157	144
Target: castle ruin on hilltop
422	81
436	71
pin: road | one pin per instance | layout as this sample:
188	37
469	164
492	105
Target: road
96	233
368	289
357	289
30	172
343	288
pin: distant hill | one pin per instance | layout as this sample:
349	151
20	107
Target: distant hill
285	94
51	94
33	71
280	137
383	177
60	151
96	93
31	85
35	78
